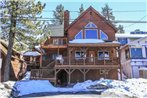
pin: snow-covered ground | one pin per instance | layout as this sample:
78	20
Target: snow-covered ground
6	88
130	88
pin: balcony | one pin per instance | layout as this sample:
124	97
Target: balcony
55	43
87	62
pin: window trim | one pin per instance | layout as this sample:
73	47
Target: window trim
90	29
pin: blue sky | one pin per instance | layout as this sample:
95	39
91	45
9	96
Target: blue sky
125	5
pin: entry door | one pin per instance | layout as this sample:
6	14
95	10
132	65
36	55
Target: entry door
91	56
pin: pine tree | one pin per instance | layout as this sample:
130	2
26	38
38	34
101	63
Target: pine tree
81	9
58	14
107	13
120	29
19	21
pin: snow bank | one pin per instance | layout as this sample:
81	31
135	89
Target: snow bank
6	88
131	88
25	87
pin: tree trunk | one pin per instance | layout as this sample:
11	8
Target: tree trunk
10	46
8	57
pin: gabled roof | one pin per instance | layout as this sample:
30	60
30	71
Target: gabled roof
4	47
91	9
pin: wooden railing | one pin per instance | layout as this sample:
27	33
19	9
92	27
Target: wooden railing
88	61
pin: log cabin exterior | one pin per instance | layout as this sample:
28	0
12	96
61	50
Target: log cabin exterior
87	50
17	68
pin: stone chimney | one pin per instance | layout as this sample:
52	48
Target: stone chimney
66	19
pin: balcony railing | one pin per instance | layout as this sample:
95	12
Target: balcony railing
87	61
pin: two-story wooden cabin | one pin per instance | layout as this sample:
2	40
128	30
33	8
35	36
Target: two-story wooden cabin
86	50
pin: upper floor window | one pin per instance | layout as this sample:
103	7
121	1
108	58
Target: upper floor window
57	41
91	34
79	35
90	25
123	40
103	35
80	55
136	53
103	55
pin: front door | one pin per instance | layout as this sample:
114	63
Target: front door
91	56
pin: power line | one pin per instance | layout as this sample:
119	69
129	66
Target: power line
51	19
135	23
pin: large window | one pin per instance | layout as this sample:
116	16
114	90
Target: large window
103	35
91	34
103	55
123	41
80	55
136	53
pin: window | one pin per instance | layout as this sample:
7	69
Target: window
91	34
127	54
79	35
79	55
55	41
103	55
146	51
136	53
32	59
123	41
54	56
90	25
103	36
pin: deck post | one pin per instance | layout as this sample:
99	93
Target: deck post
119	53
69	73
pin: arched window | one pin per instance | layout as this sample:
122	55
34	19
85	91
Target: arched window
103	35
79	35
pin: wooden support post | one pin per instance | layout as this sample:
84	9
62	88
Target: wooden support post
69	74
119	53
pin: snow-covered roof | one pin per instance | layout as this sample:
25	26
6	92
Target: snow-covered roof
31	53
130	35
87	41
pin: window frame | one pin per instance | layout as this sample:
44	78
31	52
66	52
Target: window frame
80	55
103	55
